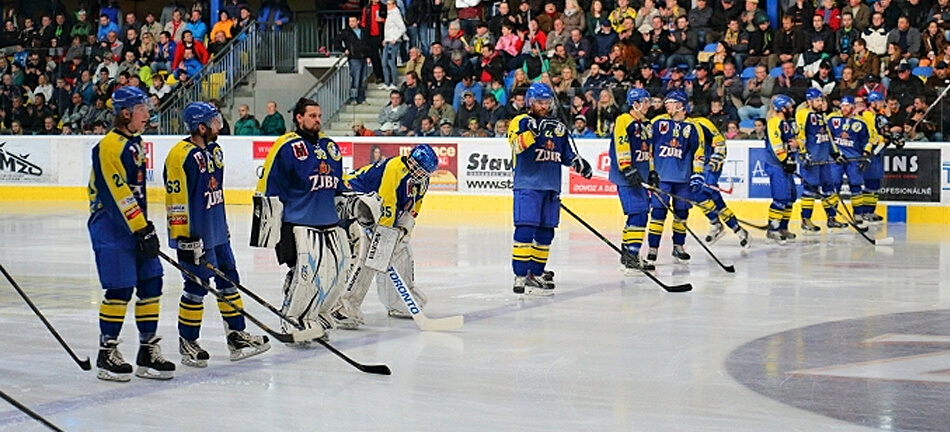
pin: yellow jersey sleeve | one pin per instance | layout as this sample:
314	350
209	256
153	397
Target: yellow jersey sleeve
621	141
177	200
393	175
774	138
801	119
261	188
113	172
519	138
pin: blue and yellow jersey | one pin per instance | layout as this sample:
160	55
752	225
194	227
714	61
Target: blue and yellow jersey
629	147
813	135
305	176
117	181
877	124
194	194
713	141
677	149
851	135
538	159
779	135
391	180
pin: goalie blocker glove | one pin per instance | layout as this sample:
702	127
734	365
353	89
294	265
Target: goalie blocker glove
190	250
147	240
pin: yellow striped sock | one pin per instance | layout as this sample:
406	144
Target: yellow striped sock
539	253
808	203
227	311
521	251
112	310
190	314
147	310
633	235
656	226
679	226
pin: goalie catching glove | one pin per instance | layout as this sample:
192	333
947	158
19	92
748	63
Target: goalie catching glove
366	208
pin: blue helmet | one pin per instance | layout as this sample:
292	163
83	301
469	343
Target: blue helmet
538	92
637	95
813	93
127	98
847	100
781	101
197	113
677	96
422	158
875	97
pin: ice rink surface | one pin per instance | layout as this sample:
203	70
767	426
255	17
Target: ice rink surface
827	334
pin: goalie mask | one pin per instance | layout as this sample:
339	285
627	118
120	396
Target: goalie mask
422	162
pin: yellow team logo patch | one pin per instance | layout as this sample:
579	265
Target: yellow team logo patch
334	151
856	127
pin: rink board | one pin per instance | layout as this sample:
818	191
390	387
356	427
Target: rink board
473	174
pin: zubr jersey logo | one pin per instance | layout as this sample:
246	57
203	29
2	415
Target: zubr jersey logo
889	372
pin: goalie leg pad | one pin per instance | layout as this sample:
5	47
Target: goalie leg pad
265	221
347	313
403	263
318	279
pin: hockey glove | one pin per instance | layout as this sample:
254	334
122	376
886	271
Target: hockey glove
633	178
653	179
715	162
582	167
865	161
147	240
696	182
190	250
898	140
789	165
806	159
534	127
839	158
548	125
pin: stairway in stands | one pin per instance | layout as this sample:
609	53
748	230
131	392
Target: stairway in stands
341	123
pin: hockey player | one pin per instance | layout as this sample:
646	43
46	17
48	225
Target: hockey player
125	242
782	143
303	170
677	169
629	161
852	139
815	162
198	230
710	199
880	138
401	182
539	144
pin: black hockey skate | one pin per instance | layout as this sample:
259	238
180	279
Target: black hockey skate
680	256
150	362
243	345
192	354
112	367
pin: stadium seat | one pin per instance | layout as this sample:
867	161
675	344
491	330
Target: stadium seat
748	73
922	71
776	72
747	124
710	48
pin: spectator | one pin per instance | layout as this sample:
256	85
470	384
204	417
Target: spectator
501	129
373	21
786	43
426	128
273	124
498	91
244	20
790	83
596	18
130	23
535	66
74	113
151	27
547	18
62	94
276	13
502	16
146	51
49	127
757	93
28	33
490	113
824	80
446	129
699	18
603	114
353	42
580	130
218	43
467	84
733	132
233	7
718	115
736	40
175	27
761	42
435	59
933	42
394	32
907	38
412	119
391	115
508	46
164	53
100	128
225	24
801	12
246	124
415	62
10	35
515	105
454	41
578	48
829	14
159	88
864	62
16	113
683	44
46	33
567	86
848	85
810	60
677	79
906	86
876	35
872	83
106	26
469	109
188	41
189	66
702	89
557	36
648	80
36	112
441	111
916	13
656	44
490	66
441	86
82	27
758	131
411	87
86	87
359	129
603	43
197	27
474	130
573	17
130	64
43	87
860	12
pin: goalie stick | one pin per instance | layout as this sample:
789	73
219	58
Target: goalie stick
28	411
84	364
308	335
668	288
728	268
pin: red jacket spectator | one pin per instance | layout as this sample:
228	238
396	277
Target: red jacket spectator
368	20
188	41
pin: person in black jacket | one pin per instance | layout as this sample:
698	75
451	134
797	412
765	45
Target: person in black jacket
353	41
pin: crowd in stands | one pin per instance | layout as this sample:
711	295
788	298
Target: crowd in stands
726	54
59	69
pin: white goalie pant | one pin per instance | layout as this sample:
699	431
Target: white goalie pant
318	280
403	263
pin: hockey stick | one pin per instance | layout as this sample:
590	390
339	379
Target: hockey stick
883	241
28	411
927	111
251	294
674	288
425	323
308	335
727	268
694	203
83	364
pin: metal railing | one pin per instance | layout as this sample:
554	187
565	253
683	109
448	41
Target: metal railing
216	80
317	29
332	89
277	47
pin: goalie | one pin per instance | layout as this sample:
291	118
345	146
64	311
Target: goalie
400	183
